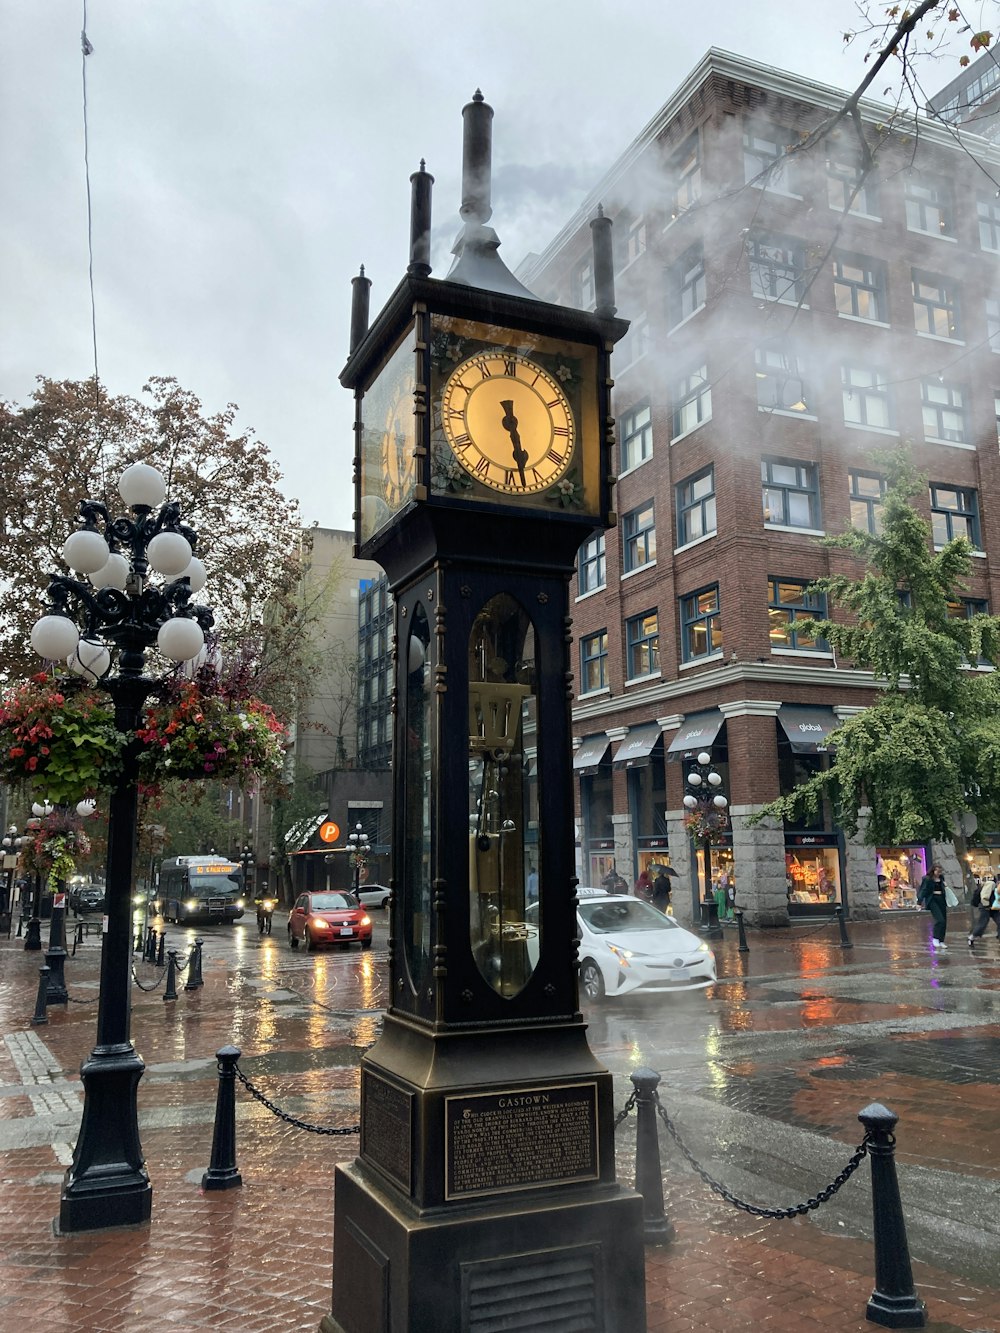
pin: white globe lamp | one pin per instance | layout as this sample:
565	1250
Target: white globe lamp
142	486
112	575
89	658
85	551
180	639
54	637
169	554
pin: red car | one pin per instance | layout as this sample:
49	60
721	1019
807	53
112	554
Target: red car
328	918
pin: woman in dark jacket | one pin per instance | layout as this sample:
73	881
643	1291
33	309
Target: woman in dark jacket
931	896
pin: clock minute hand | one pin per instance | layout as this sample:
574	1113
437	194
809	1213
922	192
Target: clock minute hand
509	424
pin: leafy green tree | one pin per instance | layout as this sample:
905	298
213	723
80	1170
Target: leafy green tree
928	748
301	799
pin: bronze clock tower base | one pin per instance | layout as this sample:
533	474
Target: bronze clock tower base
531	1230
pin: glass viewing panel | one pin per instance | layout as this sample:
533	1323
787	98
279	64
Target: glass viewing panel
504	838
417	815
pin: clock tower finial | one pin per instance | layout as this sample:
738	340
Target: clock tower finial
477	263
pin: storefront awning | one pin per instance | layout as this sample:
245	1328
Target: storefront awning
807	728
588	758
638	745
697	732
299	834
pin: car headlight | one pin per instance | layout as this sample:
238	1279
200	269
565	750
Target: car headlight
138	900
703	948
239	902
623	955
319	923
366	920
191	904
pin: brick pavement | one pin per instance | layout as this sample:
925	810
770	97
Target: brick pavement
259	1258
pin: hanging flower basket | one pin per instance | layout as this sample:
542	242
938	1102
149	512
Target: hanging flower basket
59	740
54	848
196	734
707	825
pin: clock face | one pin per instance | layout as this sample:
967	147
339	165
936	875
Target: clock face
388	438
509	422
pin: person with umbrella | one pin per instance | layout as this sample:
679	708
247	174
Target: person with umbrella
661	890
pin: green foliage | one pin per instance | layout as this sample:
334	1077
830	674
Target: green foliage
929	747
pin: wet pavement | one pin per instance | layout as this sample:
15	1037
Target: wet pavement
763	1077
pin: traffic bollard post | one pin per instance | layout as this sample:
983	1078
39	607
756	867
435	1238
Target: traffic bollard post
845	942
222	1173
171	990
656	1227
744	947
194	967
894	1303
40	1016
160	948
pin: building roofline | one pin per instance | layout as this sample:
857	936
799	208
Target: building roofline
782	82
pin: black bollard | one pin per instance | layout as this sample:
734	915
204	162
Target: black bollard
40	1016
894	1302
845	942
77	936
20	926
161	947
744	947
656	1227
139	941
222	1173
194	967
171	991
33	934
55	955
149	953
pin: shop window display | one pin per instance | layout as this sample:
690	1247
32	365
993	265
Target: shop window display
899	871
812	875
722	863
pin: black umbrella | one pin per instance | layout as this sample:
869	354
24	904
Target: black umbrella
667	870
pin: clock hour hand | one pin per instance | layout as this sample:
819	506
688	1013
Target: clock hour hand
509	424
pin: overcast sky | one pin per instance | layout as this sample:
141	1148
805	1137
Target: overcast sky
247	155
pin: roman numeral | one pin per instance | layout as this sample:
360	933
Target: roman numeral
508	477
555	456
482	468
484	369
539	479
554	403
561	430
454	412
510	368
462	441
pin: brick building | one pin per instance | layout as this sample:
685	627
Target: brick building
787	319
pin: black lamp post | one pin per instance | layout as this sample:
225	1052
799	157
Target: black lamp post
246	861
33	933
12	843
360	847
115	606
704	797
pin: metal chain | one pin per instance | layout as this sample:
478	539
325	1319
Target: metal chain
91	1000
798	1209
624	1111
156	983
290	1119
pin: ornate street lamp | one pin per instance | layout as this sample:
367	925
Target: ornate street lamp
117	609
360	847
707	806
12	843
246	861
55	954
33	934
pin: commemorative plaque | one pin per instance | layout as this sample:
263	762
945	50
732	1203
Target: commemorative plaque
520	1138
386	1127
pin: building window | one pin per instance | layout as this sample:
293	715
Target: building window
638	538
777	268
867	495
781	384
594	662
859	288
696	506
988	213
866	397
943	407
701	624
583	285
967	607
692	401
764	153
642	645
685	174
788	604
635	431
993	322
954	513
935	305
592	565
635	344
848	189
791	493
686	285
632	243
928	207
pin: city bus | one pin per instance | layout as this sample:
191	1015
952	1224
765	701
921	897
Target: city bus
200	888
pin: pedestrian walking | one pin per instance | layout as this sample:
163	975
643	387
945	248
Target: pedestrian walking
661	892
931	896
987	899
721	888
643	886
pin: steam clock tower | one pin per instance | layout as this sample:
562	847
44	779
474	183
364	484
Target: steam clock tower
484	1195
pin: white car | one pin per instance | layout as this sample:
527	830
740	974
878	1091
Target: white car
374	895
627	945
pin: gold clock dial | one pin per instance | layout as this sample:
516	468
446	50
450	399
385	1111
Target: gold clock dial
509	422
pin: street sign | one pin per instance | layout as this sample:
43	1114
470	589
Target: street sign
59	900
968	823
329	831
